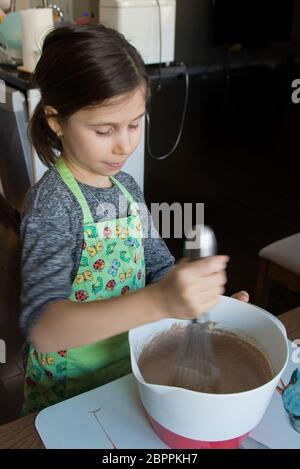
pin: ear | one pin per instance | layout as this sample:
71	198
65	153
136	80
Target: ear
53	122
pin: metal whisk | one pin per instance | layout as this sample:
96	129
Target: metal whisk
195	359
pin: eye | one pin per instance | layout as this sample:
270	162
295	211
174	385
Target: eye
134	126
104	134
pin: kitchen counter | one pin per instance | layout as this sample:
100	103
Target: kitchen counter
16	78
22	434
24	81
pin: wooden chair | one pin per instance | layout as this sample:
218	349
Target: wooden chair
279	261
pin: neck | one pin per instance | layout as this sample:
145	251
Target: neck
86	176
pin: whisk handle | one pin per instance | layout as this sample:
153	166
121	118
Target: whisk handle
200	243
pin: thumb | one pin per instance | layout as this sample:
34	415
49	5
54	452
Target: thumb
241	296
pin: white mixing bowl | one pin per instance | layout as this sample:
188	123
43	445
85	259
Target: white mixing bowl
189	419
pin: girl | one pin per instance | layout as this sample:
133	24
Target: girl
83	252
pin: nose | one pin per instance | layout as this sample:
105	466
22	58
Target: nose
122	144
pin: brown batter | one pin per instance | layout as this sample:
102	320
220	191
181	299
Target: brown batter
241	366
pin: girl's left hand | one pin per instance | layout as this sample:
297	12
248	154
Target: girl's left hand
241	295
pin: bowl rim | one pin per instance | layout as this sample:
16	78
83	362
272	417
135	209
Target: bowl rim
168	389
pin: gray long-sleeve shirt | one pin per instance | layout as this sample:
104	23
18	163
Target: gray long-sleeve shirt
52	235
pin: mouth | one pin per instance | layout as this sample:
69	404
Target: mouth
115	165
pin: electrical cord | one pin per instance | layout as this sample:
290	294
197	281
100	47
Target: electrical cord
174	147
158	89
159	86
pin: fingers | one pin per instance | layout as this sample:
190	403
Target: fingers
192	288
210	282
193	278
241	296
205	266
211	295
192	305
210	304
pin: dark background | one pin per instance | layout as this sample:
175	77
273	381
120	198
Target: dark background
239	149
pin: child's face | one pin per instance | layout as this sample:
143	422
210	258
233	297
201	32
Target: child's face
99	140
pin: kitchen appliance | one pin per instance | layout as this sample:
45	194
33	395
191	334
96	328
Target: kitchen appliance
188	419
149	25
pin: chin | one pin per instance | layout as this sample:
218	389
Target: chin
110	172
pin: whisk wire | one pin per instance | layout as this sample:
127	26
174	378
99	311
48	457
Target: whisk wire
195	358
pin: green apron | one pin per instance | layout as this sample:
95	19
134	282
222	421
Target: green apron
112	264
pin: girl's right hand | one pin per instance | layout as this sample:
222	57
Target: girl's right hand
192	288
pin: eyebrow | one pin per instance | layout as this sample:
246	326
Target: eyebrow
115	123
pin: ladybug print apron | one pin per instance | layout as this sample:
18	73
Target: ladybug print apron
111	264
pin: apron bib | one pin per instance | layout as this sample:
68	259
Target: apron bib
112	264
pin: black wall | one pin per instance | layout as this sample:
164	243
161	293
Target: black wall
194	32
239	147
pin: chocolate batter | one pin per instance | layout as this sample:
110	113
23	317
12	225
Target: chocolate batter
241	365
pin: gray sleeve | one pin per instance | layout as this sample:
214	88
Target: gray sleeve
46	263
158	258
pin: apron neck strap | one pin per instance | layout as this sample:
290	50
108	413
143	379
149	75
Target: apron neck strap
72	184
123	190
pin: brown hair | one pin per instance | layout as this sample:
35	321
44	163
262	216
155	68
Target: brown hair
81	66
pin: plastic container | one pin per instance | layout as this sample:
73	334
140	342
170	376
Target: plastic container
11	34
